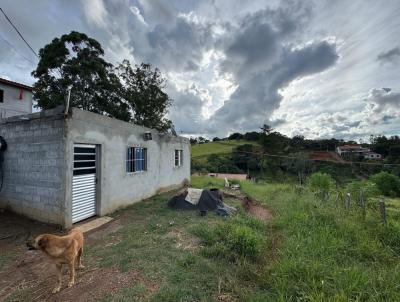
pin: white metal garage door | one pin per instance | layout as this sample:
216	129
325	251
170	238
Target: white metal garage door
84	182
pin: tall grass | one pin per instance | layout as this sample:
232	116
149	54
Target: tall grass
325	252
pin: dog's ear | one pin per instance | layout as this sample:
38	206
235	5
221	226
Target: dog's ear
42	242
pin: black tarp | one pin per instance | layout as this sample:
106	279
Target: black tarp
209	201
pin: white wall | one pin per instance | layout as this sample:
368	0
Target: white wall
12	105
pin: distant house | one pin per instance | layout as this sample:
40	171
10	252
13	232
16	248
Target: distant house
15	98
357	150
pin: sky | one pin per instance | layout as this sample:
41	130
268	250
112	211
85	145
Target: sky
320	69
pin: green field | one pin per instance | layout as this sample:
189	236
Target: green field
221	147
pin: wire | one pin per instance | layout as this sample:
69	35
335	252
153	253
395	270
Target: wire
19	33
15	49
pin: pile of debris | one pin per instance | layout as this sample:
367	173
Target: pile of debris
201	200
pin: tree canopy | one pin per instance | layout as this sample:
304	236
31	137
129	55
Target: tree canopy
132	94
143	92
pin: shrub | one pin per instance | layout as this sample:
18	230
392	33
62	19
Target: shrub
369	189
244	241
320	182
233	239
387	183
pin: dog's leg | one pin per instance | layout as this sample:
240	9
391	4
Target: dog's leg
59	277
79	256
71	273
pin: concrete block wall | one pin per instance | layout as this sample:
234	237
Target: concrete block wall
33	166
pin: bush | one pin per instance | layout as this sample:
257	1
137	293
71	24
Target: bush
369	189
245	241
233	239
388	184
320	182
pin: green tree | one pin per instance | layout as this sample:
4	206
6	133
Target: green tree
387	183
75	60
143	91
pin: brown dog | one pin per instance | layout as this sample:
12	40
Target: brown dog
61	250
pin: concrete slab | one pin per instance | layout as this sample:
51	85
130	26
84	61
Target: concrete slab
93	224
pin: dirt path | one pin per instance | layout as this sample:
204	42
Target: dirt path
250	205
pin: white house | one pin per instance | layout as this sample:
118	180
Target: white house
352	149
15	98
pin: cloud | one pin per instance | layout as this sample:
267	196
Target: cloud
390	56
180	47
95	12
263	62
383	98
186	110
233	65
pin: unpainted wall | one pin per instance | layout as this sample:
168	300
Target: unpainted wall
34	166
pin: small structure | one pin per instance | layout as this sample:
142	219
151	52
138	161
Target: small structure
228	176
62	169
15	98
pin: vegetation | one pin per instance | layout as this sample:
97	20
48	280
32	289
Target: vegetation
387	183
75	61
270	154
320	182
143	92
326	253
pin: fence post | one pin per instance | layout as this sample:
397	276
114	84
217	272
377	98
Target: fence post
347	201
362	203
382	208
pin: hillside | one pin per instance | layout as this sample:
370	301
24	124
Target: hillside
221	147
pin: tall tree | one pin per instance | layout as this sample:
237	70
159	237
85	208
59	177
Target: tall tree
144	93
76	60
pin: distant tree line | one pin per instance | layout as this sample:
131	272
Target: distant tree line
291	155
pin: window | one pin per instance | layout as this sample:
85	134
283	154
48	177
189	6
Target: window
136	159
1	96
178	158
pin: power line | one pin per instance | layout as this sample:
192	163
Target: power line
15	49
19	33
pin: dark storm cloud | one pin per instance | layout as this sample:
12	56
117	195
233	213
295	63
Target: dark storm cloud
182	46
256	41
390	56
260	55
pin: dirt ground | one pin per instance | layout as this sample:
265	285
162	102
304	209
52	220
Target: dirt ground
32	271
25	269
251	206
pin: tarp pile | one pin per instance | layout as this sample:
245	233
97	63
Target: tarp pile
202	200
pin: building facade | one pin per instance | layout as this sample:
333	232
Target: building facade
62	169
15	98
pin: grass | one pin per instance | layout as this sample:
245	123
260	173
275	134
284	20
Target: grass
326	253
221	147
311	250
177	257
